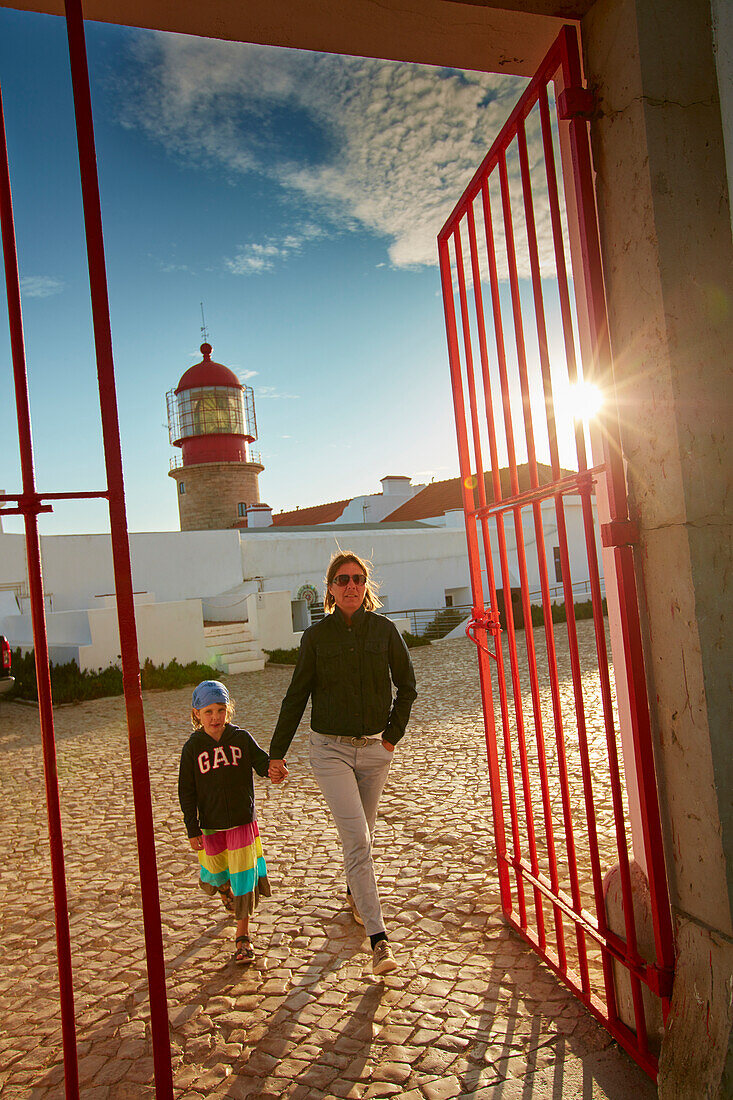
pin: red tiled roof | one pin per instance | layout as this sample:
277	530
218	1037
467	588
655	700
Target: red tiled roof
310	517
442	496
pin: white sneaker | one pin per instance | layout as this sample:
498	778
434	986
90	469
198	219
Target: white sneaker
354	911
383	961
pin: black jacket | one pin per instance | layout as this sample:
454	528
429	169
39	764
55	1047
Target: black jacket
215	786
348	671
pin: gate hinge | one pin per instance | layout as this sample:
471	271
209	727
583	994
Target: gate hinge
576	103
619	532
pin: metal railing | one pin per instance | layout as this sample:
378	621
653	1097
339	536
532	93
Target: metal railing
176	463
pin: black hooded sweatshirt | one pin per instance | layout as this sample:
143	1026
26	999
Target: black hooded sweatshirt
215	786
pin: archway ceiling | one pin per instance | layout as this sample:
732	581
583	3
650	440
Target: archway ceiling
507	36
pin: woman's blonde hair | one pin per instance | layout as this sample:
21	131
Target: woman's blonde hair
196	724
371	599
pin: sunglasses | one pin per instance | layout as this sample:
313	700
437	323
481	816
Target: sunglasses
345	578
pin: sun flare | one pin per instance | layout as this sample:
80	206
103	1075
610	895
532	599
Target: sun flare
585	400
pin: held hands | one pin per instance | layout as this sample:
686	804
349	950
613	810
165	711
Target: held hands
197	843
277	771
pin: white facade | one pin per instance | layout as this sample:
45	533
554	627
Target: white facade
182	579
374	507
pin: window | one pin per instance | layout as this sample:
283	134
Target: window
213	410
448	600
242	509
558	564
181	487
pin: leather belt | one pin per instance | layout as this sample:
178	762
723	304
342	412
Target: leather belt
357	742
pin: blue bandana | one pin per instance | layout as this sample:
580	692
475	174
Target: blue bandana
209	691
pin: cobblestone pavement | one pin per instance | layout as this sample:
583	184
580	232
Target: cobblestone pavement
472	1012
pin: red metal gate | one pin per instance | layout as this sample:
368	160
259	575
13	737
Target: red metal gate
30	503
564	797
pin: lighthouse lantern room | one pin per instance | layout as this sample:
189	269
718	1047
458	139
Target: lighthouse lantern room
211	417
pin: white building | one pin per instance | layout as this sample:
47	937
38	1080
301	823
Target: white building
256	578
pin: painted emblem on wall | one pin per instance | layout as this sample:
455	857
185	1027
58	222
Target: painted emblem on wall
309	593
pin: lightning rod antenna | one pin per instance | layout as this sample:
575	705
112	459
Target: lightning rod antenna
204	331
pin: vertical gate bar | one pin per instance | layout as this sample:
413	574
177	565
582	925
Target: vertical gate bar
615	780
503	557
540	541
473	562
120	553
664	936
30	508
550	63
590	248
570	356
496	484
539	306
560	265
521	552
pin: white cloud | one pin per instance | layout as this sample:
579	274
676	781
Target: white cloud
169	268
41	286
272	392
372	144
258	257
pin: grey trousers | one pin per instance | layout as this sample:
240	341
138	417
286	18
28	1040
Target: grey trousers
351	780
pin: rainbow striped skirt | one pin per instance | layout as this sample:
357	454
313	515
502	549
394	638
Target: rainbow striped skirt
232	859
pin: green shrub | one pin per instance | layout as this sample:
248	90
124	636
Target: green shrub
583	610
413	641
445	620
174	675
282	656
69	684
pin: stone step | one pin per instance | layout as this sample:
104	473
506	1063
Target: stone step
231	648
228	630
238	646
251	664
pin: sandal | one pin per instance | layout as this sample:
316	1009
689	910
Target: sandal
227	898
244	951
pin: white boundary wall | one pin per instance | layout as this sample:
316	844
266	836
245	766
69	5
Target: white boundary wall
175	573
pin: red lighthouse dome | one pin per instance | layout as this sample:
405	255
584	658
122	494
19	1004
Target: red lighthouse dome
211	417
207	373
211	414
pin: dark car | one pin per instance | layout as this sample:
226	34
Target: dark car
6	680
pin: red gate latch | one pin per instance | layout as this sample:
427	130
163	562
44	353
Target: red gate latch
487	620
619	532
575	103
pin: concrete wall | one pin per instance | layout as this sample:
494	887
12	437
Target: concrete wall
723	43
171	565
270	620
662	186
414	567
91	637
164	631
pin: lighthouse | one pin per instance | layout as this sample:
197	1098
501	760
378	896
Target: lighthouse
211	417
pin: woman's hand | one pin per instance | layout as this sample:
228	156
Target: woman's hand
197	843
277	771
388	745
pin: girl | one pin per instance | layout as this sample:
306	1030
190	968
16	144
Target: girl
216	793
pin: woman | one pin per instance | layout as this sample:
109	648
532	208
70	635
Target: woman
347	665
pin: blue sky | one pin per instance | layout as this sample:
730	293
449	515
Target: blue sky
297	195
